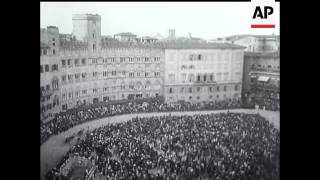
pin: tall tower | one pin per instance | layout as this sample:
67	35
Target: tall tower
87	28
172	34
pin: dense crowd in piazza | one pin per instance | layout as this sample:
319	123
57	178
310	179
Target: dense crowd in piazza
208	146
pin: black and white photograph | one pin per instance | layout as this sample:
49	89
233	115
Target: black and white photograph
159	91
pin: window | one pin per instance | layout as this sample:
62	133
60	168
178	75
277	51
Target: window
69	62
191	57
210	89
131	74
45	52
47	87
122	59
94	47
94	74
199	57
94	61
190	89
54	67
53	51
63	77
83	61
77	93
84	92
47	68
236	87
55	83
157	59
205	77
170	90
83	75
76	62
198	89
191	77
182	90
157	74
218	88
146	74
70	95
198	78
77	77
53	44
41	69
211	77
94	90
183	67
53	39
114	73
92	35
198	97
224	88
104	73
70	78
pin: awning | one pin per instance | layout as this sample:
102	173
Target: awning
263	78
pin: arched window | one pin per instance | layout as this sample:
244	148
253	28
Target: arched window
191	78
55	101
205	77
55	83
211	77
131	85
198	78
147	85
138	85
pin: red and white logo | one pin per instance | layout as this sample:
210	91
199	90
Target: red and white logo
263	15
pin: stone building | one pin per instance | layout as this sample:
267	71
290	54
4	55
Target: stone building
49	72
203	72
85	67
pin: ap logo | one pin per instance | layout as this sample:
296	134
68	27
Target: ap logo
263	15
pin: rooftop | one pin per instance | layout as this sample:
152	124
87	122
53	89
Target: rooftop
237	37
171	45
125	34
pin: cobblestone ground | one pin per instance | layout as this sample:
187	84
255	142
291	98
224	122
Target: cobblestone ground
54	148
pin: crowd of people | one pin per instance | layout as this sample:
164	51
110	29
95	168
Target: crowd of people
202	146
262	99
65	121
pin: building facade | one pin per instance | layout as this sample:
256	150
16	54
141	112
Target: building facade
203	73
49	72
86	68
